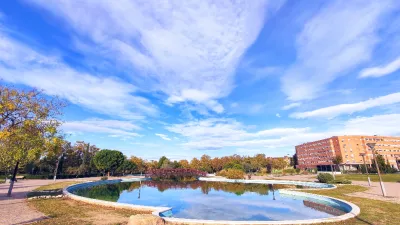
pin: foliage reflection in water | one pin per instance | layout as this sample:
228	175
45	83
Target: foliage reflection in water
215	200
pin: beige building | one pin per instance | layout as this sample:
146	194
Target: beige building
319	154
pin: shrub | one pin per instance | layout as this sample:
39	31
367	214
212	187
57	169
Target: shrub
298	170
233	165
178	174
289	171
340	181
325	177
231	173
104	178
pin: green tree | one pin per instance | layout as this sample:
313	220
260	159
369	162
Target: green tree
337	160
127	167
163	162
25	118
108	160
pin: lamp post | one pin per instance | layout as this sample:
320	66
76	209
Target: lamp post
366	169
372	147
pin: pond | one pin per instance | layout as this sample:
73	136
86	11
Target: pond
215	200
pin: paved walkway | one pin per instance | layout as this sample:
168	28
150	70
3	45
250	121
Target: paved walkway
375	192
15	210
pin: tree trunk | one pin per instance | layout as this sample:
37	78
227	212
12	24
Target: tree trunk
13	179
55	170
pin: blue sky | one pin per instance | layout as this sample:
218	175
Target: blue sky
186	78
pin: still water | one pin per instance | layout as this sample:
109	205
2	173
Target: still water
214	200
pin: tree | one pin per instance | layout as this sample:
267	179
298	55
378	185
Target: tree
140	164
127	167
195	164
108	160
25	118
337	160
164	163
294	161
205	164
184	164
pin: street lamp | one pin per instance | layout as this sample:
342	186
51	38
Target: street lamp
372	147
366	169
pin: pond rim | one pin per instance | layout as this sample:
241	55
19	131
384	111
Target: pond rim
353	212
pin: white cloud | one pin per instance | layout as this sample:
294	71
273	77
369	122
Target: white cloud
340	37
213	134
113	128
278	115
189	51
163	136
292	105
336	110
234	105
382	70
379	124
107	95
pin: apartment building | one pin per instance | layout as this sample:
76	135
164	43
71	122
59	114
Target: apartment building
319	154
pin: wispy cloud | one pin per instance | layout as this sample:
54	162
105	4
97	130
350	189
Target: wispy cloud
112	128
291	105
107	95
381	70
163	136
379	124
214	134
188	51
341	36
336	110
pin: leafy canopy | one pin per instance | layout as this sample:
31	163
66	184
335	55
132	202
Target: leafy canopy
108	160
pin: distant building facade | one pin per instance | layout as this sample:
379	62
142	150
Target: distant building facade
319	154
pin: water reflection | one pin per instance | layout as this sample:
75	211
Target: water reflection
213	200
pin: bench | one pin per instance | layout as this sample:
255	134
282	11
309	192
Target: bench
19	178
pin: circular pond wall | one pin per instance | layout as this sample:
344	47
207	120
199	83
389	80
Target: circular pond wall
350	209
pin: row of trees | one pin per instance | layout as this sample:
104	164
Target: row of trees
32	142
212	165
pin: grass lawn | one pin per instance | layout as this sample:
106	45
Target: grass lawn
374	177
67	211
59	185
372	211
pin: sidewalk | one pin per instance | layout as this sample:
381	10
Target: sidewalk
15	210
374	192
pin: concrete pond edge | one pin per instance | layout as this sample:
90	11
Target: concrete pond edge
354	210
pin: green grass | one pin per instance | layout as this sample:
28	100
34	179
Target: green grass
67	211
372	211
55	186
374	177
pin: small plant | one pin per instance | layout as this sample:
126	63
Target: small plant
177	174
104	178
231	173
340	181
289	171
325	177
